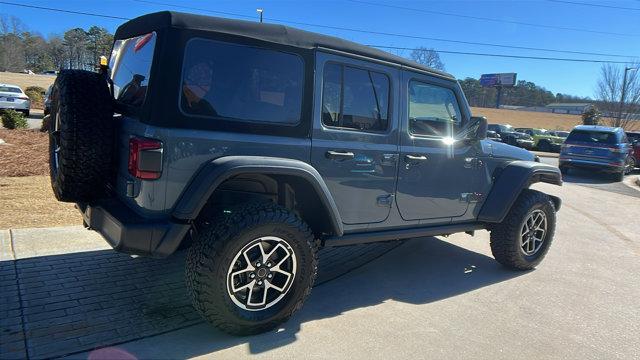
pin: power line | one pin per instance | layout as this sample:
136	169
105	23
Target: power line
65	11
594	5
338	28
402	35
480	18
504	55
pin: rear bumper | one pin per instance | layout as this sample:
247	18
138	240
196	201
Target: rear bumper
130	233
14	105
591	165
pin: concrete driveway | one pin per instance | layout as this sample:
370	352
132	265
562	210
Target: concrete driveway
427	298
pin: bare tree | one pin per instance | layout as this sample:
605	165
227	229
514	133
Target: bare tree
427	57
621	110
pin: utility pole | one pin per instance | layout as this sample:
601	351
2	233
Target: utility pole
260	11
624	89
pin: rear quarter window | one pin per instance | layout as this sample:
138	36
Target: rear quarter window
131	65
241	83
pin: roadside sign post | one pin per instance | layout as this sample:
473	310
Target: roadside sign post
498	81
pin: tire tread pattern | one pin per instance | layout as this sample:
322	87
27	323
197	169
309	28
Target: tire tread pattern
209	248
504	239
86	135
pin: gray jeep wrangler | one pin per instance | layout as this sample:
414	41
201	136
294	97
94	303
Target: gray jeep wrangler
254	145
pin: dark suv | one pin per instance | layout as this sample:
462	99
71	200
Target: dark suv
511	136
255	145
599	148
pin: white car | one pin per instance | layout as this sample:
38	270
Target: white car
12	97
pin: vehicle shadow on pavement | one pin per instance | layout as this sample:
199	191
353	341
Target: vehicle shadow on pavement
81	301
579	176
421	271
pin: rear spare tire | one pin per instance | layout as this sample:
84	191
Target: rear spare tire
81	135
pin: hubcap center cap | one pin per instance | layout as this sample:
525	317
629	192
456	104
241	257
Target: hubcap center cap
262	272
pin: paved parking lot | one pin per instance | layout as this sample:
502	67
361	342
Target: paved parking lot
66	293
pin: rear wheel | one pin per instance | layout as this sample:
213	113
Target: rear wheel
249	272
629	165
522	240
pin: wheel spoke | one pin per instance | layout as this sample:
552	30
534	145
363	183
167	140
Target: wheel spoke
253	281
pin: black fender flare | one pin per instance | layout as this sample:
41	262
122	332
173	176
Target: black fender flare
212	174
509	183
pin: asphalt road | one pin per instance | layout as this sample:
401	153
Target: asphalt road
447	298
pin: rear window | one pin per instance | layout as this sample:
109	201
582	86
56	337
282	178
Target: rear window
10	89
598	137
242	83
131	65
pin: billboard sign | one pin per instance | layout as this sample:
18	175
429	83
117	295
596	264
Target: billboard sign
501	79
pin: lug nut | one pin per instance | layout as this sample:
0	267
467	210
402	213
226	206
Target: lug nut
258	263
269	264
259	282
270	276
252	275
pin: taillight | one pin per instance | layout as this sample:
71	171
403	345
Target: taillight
617	150
23	98
145	158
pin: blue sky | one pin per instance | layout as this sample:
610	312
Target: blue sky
565	77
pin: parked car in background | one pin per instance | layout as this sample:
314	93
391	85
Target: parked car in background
47	100
12	97
634	139
492	135
50	72
599	148
633	136
542	139
559	133
512	137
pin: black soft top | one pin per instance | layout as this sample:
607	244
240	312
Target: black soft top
273	33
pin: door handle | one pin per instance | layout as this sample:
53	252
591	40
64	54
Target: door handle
340	155
415	158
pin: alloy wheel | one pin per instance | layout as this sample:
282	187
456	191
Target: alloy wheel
532	233
261	273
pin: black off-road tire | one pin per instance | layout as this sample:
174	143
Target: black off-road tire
505	237
214	249
81	128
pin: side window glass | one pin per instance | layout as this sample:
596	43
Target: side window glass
331	94
433	110
355	98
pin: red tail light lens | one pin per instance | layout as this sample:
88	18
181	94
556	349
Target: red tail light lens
23	98
145	158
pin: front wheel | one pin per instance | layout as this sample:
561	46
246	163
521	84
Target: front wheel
249	272
523	238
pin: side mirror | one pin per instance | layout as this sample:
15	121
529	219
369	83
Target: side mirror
476	129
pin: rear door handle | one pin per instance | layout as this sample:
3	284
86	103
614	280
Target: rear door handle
340	155
415	158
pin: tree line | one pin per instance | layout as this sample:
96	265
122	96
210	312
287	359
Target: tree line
21	49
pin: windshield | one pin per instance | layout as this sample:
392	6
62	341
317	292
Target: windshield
131	65
598	137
